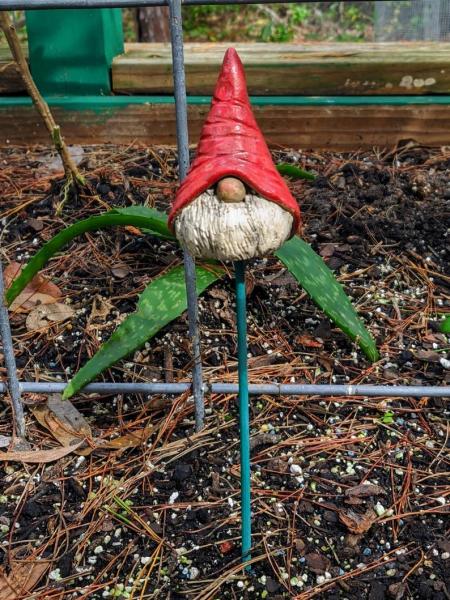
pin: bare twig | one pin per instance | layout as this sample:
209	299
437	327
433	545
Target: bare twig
73	176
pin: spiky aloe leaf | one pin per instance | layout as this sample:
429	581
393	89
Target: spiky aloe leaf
445	325
163	300
148	219
294	172
319	282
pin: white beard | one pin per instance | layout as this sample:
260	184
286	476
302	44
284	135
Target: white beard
210	228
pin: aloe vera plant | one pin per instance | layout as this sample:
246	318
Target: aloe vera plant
154	310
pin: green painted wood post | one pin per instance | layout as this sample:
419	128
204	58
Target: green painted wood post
71	51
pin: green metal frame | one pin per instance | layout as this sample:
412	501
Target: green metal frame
71	51
110	103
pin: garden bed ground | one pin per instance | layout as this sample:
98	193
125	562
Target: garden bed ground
381	223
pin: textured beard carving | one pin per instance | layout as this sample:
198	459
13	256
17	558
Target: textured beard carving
210	228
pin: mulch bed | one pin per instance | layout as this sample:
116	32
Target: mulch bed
161	519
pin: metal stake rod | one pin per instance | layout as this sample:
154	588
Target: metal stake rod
176	32
10	362
244	418
323	390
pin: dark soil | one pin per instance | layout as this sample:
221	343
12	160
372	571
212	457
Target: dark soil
381	223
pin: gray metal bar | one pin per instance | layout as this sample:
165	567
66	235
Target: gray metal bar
44	4
176	32
255	389
10	362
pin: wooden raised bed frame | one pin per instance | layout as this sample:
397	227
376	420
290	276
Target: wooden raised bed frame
324	96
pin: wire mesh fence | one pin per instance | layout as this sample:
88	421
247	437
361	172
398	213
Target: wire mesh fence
410	20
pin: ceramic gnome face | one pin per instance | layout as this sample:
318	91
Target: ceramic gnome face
233	205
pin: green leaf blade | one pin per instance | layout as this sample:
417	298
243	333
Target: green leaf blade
445	325
162	301
319	282
148	219
294	172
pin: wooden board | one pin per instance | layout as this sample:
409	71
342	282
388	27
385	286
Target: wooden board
339	128
10	79
287	69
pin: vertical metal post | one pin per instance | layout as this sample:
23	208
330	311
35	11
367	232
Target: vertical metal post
10	362
244	417
176	32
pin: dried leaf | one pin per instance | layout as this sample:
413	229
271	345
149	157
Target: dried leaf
22	579
327	250
133	230
63	421
35	224
100	309
364	490
132	439
317	563
5	440
219	294
226	547
120	270
263	439
428	355
397	590
39	291
308	342
54	163
45	314
357	523
39	456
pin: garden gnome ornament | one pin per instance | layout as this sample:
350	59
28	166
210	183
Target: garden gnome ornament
233	204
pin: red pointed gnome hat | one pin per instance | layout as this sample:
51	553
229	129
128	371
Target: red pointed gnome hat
231	144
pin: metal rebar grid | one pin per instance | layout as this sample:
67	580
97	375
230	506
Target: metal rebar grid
255	389
16	387
10	362
176	33
44	4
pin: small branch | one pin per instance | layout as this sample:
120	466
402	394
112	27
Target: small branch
70	168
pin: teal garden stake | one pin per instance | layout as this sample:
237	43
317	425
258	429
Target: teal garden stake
234	206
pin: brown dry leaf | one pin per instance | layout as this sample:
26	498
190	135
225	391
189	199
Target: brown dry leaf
219	294
397	590
364	490
5	440
66	424
357	523
133	230
308	342
39	291
317	563
327	250
129	440
428	355
45	314
100	309
120	270
22	579
38	456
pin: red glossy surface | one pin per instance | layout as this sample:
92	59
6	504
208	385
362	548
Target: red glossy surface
231	144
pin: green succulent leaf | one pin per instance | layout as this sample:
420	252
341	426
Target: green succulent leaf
445	325
163	300
148	219
294	172
319	282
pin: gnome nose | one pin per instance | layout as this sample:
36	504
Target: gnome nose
230	189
